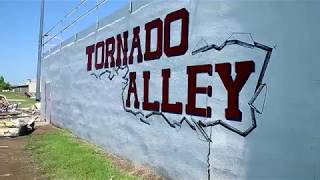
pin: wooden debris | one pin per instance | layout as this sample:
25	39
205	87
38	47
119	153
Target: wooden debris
16	122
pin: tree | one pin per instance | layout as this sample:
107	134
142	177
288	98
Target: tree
3	84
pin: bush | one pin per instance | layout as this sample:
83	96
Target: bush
3	84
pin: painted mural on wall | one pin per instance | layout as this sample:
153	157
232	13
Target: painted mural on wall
195	89
113	55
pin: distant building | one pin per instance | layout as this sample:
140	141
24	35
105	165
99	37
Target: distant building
28	87
20	88
31	85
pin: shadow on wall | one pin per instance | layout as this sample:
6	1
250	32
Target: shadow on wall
286	143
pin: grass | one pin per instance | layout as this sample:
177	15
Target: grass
62	156
25	101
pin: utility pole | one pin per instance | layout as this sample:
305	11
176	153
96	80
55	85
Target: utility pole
40	51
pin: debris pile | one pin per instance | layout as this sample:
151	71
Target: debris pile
5	106
15	121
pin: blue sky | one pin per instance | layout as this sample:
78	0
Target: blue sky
19	32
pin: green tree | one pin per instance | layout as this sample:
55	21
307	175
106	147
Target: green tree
3	84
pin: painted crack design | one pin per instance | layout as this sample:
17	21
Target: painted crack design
192	123
199	125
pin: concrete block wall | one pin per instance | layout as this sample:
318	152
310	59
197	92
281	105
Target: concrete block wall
284	144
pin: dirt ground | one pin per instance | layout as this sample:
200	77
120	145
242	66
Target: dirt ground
15	162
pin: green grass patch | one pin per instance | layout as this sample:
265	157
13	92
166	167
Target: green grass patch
62	156
25	101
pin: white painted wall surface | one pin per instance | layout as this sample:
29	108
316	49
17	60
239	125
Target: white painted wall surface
286	141
32	85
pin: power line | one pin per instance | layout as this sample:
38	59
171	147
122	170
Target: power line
67	15
76	20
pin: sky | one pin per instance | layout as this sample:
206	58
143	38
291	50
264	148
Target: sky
19	31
